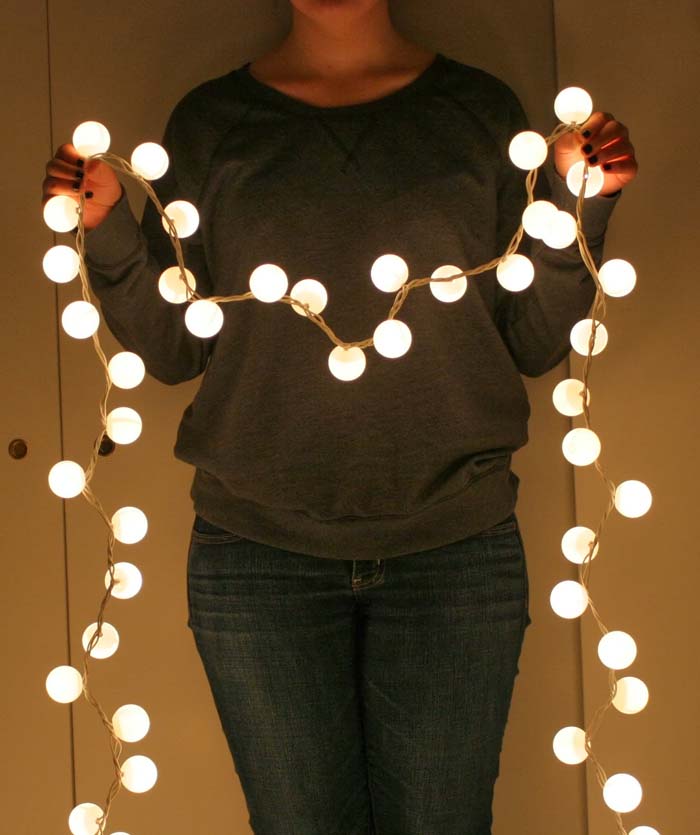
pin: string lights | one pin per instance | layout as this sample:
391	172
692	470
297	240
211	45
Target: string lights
269	283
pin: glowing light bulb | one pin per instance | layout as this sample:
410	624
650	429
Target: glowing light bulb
130	525
61	264
515	272
389	273
573	104
561	232
569	745
80	319
66	479
126	369
632	498
131	723
568	397
309	291
528	150
184	216
594	183
622	793
61	213
268	283
123	425
392	338
581	335
107	644
171	286
83	819
127	580
91	138
448	291
576	543
139	773
347	363
64	684
632	695
581	447
204	318
150	160
569	599
617	277
644	830
617	650
538	218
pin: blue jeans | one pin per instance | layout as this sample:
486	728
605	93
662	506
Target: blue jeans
362	697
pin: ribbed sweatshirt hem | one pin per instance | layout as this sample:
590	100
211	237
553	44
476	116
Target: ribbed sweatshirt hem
484	502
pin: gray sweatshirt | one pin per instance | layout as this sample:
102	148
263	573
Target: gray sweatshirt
416	452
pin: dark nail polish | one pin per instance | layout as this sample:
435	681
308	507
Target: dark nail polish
88	194
587	148
80	162
607	166
76	185
80	174
593	160
586	133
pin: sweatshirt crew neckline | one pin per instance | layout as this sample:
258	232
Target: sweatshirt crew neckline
419	83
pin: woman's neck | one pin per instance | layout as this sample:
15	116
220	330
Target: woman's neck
355	47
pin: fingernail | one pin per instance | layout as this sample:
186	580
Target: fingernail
593	160
607	166
80	162
76	185
586	133
80	174
587	148
88	194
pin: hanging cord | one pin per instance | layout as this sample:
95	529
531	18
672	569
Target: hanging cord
597	314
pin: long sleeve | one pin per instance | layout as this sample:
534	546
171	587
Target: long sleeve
535	323
125	261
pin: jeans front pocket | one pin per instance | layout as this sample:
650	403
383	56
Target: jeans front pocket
507	554
213	557
505	526
208	533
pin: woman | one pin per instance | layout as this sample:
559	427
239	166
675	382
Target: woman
357	582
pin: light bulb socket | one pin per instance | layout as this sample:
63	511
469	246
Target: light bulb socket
107	446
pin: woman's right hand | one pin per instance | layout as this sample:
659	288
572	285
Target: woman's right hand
63	174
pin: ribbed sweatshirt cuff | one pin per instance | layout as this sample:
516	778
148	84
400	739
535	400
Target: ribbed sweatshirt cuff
115	240
596	209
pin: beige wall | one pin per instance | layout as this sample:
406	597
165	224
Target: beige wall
63	62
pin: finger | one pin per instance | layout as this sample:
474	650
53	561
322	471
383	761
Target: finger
61	168
58	186
616	151
69	153
609	134
592	126
610	144
628	165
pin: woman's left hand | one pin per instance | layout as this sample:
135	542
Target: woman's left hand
607	143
